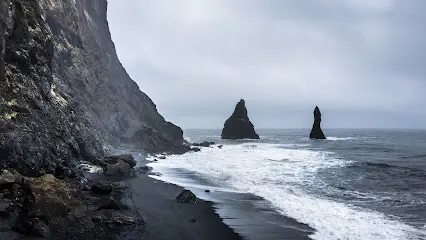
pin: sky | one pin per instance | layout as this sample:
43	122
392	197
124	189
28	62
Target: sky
363	62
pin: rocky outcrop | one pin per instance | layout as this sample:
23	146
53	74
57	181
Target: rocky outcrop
64	93
316	132
56	209
238	126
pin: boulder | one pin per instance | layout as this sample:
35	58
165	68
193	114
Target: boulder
110	204
6	177
101	188
56	209
48	199
316	132
238	126
195	149
186	196
203	144
119	169
128	158
114	219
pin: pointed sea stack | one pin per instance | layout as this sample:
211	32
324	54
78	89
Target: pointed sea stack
316	132
238	126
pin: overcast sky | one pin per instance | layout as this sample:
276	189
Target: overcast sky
363	62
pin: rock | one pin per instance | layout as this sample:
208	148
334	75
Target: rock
48	199
144	169
238	126
110	204
4	214
186	196
162	157
113	218
38	227
6	178
119	169
316	132
195	149
155	160
207	191
101	188
203	144
220	146
128	158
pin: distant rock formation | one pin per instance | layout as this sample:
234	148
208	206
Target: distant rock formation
316	132
238	126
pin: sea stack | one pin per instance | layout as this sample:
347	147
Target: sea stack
238	126
316	132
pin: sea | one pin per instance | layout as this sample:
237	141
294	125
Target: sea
358	184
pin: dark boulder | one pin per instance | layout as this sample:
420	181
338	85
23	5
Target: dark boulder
204	144
238	126
101	188
186	196
110	204
195	149
119	169
47	200
316	132
144	169
128	158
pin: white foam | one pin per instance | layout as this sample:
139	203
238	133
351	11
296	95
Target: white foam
90	168
279	175
340	138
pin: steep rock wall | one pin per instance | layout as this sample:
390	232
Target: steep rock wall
63	92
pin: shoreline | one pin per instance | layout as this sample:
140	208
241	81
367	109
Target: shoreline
165	218
252	217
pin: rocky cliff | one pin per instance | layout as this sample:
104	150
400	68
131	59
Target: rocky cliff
238	126
64	94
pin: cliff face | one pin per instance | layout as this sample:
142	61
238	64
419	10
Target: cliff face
64	93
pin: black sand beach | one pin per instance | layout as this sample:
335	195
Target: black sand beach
224	215
167	219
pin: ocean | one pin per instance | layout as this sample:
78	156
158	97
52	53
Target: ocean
357	184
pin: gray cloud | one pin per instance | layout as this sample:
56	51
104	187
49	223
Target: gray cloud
362	62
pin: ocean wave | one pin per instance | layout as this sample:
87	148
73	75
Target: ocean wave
340	138
282	176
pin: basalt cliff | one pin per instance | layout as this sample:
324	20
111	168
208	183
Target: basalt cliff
64	94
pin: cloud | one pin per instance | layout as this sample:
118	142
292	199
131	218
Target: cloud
197	58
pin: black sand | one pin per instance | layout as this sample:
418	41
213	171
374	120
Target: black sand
166	219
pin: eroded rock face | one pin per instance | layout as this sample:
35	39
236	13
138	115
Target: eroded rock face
38	130
64	93
316	132
238	126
